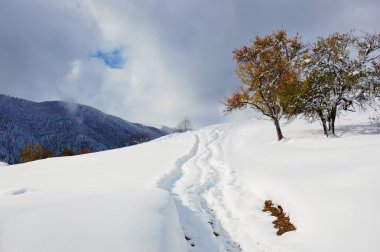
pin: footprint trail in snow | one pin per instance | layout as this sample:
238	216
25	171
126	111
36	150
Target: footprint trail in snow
196	187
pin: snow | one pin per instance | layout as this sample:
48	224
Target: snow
354	73
327	185
207	185
103	201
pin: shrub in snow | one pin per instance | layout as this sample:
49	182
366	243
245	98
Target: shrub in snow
84	151
183	126
67	152
32	152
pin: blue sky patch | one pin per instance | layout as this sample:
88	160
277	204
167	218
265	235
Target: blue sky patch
112	59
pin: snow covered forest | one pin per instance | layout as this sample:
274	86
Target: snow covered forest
56	125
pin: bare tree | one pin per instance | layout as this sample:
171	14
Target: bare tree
184	125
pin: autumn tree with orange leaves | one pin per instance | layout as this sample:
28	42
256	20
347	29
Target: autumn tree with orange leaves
269	71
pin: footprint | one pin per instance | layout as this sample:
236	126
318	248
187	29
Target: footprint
19	191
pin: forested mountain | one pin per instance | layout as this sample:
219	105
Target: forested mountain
56	124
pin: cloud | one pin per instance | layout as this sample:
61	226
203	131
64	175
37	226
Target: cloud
151	61
40	40
75	71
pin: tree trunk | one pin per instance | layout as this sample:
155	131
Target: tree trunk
325	130
323	120
278	129
333	116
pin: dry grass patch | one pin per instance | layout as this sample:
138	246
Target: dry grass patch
282	223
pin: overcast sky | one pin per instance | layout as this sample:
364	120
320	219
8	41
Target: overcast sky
151	61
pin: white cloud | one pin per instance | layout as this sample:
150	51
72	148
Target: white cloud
75	70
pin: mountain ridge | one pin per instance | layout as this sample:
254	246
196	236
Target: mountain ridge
58	124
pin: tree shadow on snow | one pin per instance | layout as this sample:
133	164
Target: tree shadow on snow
347	130
357	129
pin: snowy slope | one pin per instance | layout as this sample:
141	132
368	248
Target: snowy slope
103	201
208	186
328	186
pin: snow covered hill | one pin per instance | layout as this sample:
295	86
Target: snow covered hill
56	125
202	191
